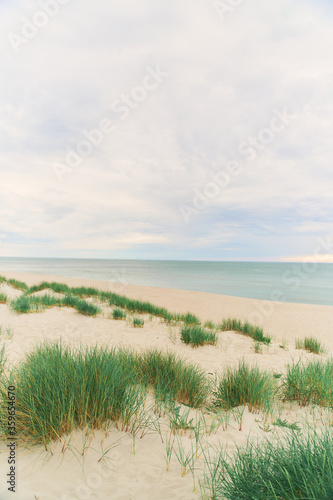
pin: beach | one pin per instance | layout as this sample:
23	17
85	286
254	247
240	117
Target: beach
72	468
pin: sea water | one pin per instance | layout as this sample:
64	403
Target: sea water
310	283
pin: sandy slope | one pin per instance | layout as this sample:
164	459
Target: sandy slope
77	473
283	320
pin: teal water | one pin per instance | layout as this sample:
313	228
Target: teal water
286	282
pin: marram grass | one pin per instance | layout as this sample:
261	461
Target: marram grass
310	344
309	383
197	336
60	389
138	322
246	328
245	385
3	298
297	467
31	303
118	314
74	298
18	285
21	305
190	319
173	378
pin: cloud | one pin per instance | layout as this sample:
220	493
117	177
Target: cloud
225	79
320	259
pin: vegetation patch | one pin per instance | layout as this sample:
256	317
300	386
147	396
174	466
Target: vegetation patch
118	314
84	307
59	390
21	305
297	467
172	378
18	285
309	383
210	325
190	319
3	298
246	328
245	385
310	344
32	303
197	336
138	322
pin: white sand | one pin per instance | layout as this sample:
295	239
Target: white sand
143	476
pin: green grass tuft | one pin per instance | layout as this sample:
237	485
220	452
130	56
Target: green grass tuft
3	298
86	308
173	378
310	344
246	328
56	287
245	385
42	302
18	285
60	389
21	305
118	314
190	319
138	322
210	325
32	303
309	383
197	336
297	467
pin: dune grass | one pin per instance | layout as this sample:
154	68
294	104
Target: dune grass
120	301
21	304
138	322
246	328
310	344
60	389
310	383
18	285
190	319
197	336
245	385
39	303
173	378
113	299
296	467
30	303
55	287
118	314
84	307
210	324
3	298
133	305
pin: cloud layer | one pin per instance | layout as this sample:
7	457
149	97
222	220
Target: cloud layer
186	89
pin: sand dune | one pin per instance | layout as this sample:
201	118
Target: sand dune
78	472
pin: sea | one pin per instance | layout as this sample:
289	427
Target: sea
305	283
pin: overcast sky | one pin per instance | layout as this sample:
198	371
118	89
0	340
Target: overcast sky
215	128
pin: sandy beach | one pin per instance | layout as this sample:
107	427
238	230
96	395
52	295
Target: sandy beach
75	470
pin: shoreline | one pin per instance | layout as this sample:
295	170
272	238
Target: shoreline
283	320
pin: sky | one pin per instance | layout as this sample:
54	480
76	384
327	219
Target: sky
188	129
